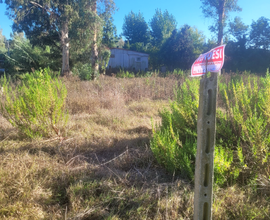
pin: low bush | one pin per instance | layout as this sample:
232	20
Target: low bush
243	137
84	71
174	142
125	74
36	105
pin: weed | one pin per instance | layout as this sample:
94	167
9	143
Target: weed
37	105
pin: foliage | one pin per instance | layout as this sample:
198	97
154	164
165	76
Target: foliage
85	32
248	52
120	43
243	138
109	37
223	165
59	23
198	41
125	74
162	25
3	50
248	120
174	142
139	46
105	55
219	10
84	71
135	28
23	57
240	58
237	28
260	33
44	23
40	179
2	42
178	50
36	106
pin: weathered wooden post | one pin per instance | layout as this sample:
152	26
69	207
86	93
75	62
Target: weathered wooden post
206	131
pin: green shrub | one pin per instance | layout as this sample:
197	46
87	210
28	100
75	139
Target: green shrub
223	166
244	128
84	71
174	142
36	105
125	74
243	136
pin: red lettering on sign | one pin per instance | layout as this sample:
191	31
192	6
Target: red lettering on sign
211	61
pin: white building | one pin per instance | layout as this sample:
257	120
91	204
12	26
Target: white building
128	59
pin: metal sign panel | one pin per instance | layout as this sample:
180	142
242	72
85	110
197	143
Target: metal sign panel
211	61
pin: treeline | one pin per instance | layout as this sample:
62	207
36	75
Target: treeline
247	45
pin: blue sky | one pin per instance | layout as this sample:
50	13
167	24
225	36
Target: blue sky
185	12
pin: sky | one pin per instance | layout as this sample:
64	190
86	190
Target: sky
185	11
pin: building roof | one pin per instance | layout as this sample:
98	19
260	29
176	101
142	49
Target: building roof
114	48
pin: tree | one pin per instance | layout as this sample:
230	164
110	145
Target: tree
198	40
94	57
2	50
135	28
260	33
120	43
44	22
178	50
162	25
219	10
24	57
237	28
82	34
109	38
2	42
49	23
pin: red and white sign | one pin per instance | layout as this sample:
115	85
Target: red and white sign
211	61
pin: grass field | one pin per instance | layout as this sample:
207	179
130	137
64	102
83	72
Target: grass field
104	168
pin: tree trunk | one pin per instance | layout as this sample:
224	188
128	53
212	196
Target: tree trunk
94	57
221	13
65	49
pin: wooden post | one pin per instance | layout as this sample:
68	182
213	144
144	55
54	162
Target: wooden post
206	135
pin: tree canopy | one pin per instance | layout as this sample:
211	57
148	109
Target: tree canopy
260	33
237	28
135	28
57	23
179	50
219	11
162	26
109	38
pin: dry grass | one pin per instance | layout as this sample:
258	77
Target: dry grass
105	168
114	93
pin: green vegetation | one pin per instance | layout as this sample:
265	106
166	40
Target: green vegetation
36	105
174	143
243	138
84	71
23	57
